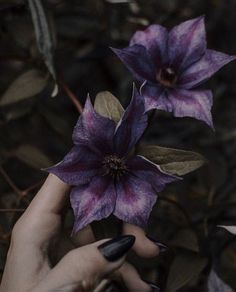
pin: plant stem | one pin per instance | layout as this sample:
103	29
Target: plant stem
72	97
10	182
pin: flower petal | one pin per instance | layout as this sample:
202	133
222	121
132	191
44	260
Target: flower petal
150	172
154	39
78	167
135	199
202	70
94	201
94	130
187	43
131	126
155	97
137	60
192	103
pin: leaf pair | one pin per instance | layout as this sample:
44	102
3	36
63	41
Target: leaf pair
32	82
174	161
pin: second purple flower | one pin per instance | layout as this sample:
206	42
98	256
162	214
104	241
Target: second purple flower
171	65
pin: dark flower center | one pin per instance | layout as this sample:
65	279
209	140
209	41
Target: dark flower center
167	77
114	166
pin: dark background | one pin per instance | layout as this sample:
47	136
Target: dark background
35	129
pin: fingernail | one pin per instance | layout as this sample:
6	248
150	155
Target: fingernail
154	287
161	246
116	248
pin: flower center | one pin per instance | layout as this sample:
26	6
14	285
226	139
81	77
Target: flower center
167	77
114	166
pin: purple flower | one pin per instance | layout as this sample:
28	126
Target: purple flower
171	65
106	175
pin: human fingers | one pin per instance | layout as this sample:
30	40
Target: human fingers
83	268
50	198
144	246
41	219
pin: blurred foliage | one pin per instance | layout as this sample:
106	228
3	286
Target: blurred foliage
36	129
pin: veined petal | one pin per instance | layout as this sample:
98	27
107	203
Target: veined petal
202	70
192	103
135	199
155	97
187	43
94	130
131	126
78	167
94	201
150	172
137	60
154	38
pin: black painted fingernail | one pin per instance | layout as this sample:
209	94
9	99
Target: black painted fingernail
117	247
161	246
154	287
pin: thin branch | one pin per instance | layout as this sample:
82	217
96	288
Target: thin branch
72	97
10	182
11	210
30	188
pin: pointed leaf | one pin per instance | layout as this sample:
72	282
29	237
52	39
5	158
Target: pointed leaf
174	161
187	239
231	229
185	267
33	157
26	85
215	284
107	105
44	36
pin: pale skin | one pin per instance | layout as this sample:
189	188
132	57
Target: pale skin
81	269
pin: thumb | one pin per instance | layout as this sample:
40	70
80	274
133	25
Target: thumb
83	268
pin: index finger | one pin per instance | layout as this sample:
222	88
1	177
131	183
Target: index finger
50	198
41	219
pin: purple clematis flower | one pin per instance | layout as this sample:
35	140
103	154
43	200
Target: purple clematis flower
171	65
106	176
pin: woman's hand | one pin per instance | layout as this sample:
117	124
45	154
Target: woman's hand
28	266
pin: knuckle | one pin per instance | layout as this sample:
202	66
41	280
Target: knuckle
86	264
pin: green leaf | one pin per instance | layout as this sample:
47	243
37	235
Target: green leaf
44	36
33	157
107	105
185	267
187	239
26	85
174	161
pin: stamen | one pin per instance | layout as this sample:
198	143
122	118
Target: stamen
167	77
114	166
